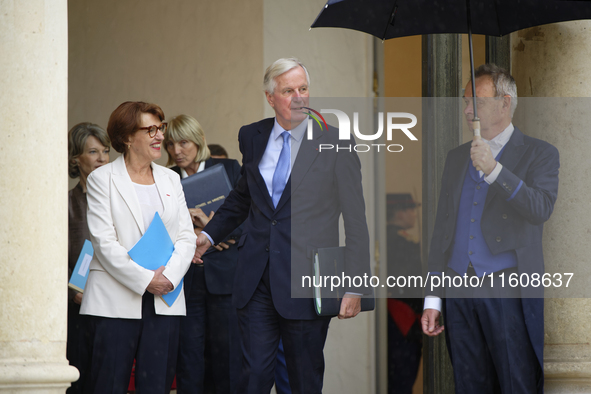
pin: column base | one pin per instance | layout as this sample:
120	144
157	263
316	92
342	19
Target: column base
567	369
21	376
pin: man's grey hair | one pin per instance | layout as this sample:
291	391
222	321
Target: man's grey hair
502	81
279	67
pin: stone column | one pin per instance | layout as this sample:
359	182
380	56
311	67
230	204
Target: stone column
442	74
33	187
552	61
498	51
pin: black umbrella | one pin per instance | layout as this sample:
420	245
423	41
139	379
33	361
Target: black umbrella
399	18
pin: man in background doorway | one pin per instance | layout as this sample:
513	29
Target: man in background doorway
217	151
405	338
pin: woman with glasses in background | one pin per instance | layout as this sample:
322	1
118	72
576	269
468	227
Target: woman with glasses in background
128	318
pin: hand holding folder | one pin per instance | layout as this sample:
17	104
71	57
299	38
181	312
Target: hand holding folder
153	251
160	285
207	189
330	262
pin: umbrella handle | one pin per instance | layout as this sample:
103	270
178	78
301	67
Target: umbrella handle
476	128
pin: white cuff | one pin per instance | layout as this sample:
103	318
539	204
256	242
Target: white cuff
490	178
432	302
208	237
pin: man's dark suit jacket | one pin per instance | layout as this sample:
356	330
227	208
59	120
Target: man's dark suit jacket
219	267
506	225
322	185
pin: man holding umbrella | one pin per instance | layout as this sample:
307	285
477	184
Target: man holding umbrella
496	193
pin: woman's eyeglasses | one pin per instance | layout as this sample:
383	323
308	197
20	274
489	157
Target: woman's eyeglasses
153	130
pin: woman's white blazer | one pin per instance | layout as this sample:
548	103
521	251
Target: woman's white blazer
116	283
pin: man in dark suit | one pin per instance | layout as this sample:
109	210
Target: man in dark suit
491	222
290	198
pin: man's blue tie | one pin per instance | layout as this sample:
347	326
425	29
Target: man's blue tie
282	170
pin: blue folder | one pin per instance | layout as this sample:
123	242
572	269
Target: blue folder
153	250
80	272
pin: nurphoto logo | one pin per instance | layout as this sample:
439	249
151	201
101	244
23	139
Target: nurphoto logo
315	115
394	122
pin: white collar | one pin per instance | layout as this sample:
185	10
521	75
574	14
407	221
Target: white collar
501	139
201	168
